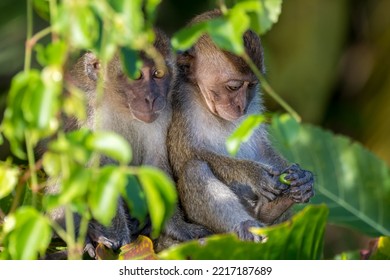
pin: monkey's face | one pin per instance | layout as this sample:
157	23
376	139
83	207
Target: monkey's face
226	91
143	97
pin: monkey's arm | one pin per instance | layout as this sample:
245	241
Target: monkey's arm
208	201
261	177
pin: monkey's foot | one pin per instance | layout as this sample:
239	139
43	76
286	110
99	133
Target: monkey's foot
242	230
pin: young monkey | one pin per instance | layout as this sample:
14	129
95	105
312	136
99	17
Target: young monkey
140	111
213	93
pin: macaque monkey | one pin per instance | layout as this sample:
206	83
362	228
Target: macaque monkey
138	109
213	93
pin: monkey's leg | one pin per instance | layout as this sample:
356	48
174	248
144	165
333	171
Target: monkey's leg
206	200
270	211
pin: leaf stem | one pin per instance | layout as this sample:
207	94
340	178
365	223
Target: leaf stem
27	56
31	164
268	89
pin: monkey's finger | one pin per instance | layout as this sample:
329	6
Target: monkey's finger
303	193
306	177
294	168
89	248
271	170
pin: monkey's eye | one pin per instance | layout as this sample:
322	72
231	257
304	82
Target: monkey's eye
234	86
252	85
159	74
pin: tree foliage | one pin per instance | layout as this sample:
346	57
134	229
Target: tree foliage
351	182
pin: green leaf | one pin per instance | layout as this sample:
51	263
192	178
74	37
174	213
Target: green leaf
28	233
150	9
186	37
53	54
352	181
42	8
383	249
104	195
131	62
9	176
135	198
243	133
160	196
263	14
110	144
298	239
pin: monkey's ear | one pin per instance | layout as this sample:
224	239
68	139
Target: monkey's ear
185	61
92	66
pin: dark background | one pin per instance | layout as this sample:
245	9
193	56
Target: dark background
330	60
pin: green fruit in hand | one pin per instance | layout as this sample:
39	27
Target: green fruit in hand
283	180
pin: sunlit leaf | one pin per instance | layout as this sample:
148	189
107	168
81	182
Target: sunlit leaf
8	179
187	37
103	198
353	182
299	239
383	249
160	196
53	54
28	233
110	144
243	133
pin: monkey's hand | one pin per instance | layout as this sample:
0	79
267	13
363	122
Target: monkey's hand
301	184
267	182
242	230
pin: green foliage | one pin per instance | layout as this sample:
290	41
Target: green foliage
300	238
227	30
28	234
243	133
353	182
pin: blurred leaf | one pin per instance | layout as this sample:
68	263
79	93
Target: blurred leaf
110	144
52	164
28	233
243	133
151	8
263	13
135	198
103	197
42	8
160	196
186	37
9	176
353	182
298	239
77	23
131	62
383	249
32	107
350	255
53	54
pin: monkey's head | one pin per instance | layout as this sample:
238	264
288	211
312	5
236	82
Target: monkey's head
225	81
142	97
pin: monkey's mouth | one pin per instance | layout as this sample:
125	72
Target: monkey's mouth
147	116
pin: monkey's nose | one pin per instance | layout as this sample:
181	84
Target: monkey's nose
149	100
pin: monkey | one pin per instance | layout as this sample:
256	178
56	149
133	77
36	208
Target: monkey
139	109
213	93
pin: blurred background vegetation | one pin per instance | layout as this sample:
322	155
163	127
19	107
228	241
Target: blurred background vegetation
330	60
